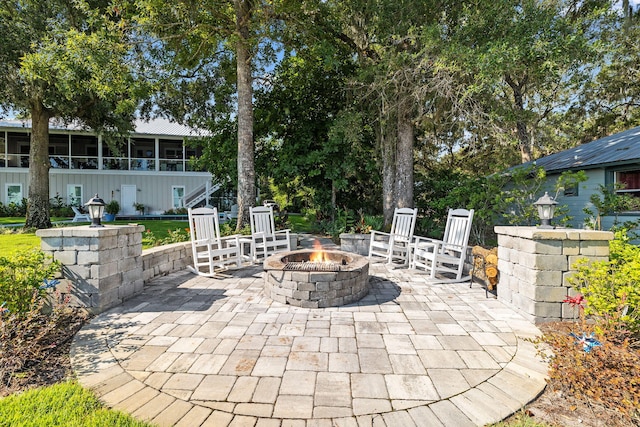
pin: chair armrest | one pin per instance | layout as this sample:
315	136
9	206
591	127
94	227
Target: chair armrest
380	234
425	242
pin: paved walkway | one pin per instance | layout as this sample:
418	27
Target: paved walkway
195	351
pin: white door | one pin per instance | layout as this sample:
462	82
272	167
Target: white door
128	194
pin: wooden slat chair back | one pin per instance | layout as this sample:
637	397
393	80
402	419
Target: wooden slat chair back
445	257
210	250
395	245
265	239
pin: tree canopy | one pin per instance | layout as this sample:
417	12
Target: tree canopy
65	60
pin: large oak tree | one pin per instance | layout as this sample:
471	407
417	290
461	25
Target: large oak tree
68	61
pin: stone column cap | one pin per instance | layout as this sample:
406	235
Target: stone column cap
535	233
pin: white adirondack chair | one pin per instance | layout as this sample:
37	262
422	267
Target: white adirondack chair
265	239
79	216
445	257
395	245
210	251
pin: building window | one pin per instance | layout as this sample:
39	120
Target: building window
74	195
571	190
628	182
177	194
13	193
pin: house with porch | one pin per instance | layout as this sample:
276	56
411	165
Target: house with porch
152	168
608	161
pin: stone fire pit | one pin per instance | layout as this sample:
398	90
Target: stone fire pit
291	279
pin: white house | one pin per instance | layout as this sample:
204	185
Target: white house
606	161
153	168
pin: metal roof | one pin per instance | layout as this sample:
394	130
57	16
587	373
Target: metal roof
619	148
156	127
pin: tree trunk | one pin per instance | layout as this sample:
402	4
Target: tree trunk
246	161
38	200
388	150
404	161
524	142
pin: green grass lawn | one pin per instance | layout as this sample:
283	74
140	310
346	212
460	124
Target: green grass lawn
12	243
64	404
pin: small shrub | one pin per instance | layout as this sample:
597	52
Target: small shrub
612	287
22	275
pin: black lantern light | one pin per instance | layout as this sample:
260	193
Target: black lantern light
95	205
546	208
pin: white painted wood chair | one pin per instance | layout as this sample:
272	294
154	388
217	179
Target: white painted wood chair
79	216
395	245
444	259
210	251
265	239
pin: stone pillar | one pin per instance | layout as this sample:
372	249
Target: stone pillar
102	267
534	265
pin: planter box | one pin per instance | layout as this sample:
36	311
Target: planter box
356	243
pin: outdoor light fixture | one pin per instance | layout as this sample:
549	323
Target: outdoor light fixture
95	205
546	207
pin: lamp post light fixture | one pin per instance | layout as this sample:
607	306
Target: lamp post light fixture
95	205
546	208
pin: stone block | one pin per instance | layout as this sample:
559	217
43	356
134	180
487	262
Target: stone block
51	243
101	271
132	251
550	293
78	243
594	248
504	254
109	283
76	272
127	264
105	243
548	310
132	275
67	256
570	247
544	262
544	247
88	257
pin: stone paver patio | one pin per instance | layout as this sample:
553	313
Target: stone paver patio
196	351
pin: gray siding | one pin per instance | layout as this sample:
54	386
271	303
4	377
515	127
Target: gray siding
576	204
153	188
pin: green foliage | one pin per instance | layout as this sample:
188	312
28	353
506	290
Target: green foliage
610	202
176	211
14	209
58	208
177	235
612	286
113	207
22	277
63	404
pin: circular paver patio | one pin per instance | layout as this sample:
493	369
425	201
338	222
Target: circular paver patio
198	351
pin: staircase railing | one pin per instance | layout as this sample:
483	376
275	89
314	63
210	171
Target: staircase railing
199	194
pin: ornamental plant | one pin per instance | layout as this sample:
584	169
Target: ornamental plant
23	276
611	289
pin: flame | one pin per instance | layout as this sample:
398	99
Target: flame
318	254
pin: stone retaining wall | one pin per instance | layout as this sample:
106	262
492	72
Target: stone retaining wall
102	267
165	259
535	263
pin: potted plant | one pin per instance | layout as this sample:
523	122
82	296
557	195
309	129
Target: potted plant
139	207
111	209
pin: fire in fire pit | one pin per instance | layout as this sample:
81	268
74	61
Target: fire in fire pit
317	260
316	279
